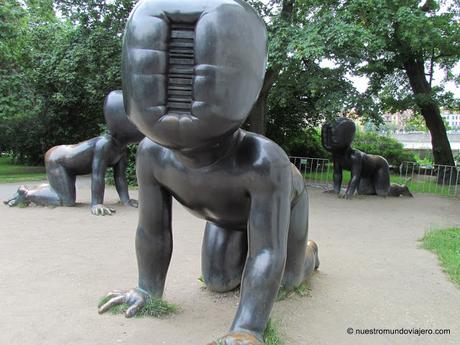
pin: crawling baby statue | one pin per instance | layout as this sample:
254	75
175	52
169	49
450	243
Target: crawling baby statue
192	70
63	163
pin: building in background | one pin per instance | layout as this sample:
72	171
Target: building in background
397	122
402	122
421	142
452	119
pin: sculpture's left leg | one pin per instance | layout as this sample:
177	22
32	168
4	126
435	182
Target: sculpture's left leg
382	181
302	255
223	256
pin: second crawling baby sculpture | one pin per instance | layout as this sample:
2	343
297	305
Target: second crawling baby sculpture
65	162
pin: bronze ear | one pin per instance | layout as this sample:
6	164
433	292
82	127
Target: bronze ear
326	136
117	120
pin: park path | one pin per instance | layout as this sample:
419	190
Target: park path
55	264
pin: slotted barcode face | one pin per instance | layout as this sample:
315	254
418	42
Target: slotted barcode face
181	64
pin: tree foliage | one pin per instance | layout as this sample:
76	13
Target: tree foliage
298	92
391	149
58	72
58	59
397	44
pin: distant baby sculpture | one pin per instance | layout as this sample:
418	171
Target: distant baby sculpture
63	163
370	174
192	70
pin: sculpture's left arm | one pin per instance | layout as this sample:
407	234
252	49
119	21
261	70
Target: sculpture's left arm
121	183
267	245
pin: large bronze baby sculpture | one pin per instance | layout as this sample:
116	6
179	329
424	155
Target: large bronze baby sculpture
63	163
370	174
192	70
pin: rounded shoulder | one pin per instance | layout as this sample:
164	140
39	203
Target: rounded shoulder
268	166
148	148
261	151
357	154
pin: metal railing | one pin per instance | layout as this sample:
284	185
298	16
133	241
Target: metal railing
433	178
436	179
316	171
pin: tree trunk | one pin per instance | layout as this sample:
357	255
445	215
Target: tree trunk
257	121
442	152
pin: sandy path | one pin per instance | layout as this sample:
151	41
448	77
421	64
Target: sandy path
55	264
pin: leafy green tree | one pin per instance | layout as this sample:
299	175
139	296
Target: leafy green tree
297	92
13	41
62	70
397	44
416	123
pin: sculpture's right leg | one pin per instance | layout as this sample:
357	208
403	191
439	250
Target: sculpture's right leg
62	184
61	188
44	195
223	256
366	186
59	192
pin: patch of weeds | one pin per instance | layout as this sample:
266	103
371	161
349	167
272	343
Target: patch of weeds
271	334
446	244
201	279
302	290
153	308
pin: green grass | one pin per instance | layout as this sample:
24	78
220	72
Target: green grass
10	172
446	244
302	290
271	334
153	308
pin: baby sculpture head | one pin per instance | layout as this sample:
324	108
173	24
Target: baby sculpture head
192	69
338	135
118	122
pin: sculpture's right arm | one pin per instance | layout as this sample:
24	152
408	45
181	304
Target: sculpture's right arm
153	240
337	176
153	237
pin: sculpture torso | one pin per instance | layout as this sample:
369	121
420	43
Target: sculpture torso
221	192
78	158
369	162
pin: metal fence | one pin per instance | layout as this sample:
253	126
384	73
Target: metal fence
316	171
435	178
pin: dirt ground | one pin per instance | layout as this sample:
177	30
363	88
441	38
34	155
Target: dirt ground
55	264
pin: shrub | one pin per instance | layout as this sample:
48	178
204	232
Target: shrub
307	144
391	149
130	170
